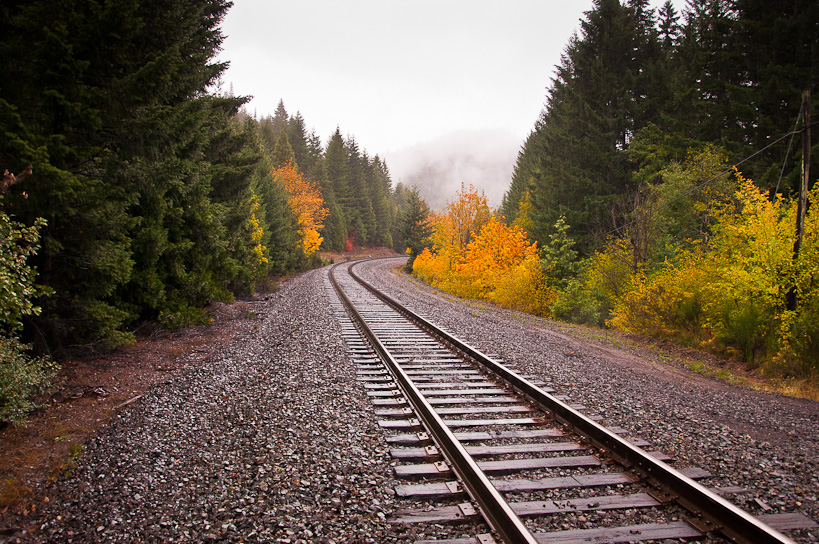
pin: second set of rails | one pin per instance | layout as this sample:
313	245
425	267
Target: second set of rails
503	456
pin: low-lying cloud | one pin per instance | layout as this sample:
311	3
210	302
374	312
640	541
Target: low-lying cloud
484	158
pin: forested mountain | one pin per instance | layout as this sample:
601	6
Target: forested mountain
638	89
159	192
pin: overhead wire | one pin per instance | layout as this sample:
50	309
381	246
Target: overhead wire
788	152
717	176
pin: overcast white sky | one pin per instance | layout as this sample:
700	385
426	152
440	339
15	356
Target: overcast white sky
396	73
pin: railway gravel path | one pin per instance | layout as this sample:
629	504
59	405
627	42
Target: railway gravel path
273	440
766	443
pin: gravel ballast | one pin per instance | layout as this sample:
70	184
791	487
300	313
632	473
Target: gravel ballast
766	443
273	440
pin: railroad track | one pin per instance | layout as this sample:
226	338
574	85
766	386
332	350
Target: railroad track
479	444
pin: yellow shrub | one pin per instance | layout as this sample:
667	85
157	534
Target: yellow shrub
490	256
427	267
499	264
524	288
669	303
731	292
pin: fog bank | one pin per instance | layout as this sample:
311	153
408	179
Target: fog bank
484	158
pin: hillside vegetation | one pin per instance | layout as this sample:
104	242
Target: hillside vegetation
151	191
658	191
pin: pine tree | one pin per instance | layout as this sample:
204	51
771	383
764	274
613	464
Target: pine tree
416	227
778	46
362	213
117	116
282	153
297	137
609	84
280	118
380	187
709	59
335	189
669	26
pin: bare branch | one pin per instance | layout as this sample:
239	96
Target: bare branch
11	179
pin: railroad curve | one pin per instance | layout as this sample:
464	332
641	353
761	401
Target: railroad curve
488	445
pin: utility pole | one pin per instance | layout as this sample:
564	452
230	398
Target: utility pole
802	203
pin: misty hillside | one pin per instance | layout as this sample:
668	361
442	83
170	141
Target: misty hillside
483	158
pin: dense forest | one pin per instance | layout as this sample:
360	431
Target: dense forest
137	190
661	185
639	89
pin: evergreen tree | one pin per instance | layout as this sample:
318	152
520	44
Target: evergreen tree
268	133
280	118
157	194
779	50
297	137
526	168
380	188
608	85
115	115
416	227
709	60
361	212
669	26
313	164
349	199
337	185
282	151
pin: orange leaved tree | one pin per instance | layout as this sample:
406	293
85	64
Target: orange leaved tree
476	255
502	265
307	205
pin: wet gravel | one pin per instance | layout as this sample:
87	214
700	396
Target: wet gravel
275	441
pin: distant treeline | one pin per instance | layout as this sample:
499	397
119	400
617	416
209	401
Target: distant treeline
159	192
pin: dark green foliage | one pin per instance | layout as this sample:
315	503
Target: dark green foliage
156	193
298	140
379	188
360	197
416	227
23	380
806	339
572	164
282	150
355	200
399	205
726	72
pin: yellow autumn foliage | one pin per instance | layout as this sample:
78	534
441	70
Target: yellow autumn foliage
476	255
730	294
307	205
257	232
668	303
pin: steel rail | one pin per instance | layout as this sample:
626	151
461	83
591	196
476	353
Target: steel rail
711	512
493	506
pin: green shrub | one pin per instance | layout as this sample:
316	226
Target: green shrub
748	327
577	303
17	287
23	380
805	338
